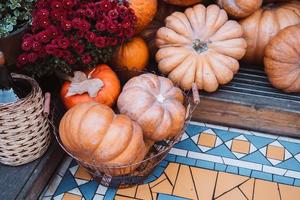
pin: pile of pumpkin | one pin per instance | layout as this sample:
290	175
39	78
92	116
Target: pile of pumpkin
196	47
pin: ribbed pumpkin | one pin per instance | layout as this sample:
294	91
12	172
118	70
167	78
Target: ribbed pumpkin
182	2
282	59
240	8
265	23
133	54
107	95
95	134
149	34
145	11
200	46
155	104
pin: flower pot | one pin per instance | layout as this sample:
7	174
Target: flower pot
11	45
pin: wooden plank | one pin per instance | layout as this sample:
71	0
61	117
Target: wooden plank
248	116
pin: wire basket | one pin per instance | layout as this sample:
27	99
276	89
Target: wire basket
24	129
136	173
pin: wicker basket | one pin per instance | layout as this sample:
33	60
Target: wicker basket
24	128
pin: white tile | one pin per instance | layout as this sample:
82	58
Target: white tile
239	155
218	142
64	166
274	162
203	156
98	197
179	152
264	135
287	154
195	138
80	181
293	174
74	169
228	144
244	164
298	157
241	137
75	191
276	144
274	170
263	151
59	197
240	131
45	198
184	136
203	148
101	189
53	185
289	139
252	148
197	123
209	131
217	127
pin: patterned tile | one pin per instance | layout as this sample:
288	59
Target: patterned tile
209	162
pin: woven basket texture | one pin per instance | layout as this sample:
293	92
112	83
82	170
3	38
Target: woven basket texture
24	128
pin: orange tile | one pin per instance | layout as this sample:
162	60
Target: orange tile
275	152
184	186
68	196
234	194
240	146
288	192
164	187
207	140
171	172
227	181
160	179
129	192
205	181
154	196
82	174
247	188
117	197
143	192
265	190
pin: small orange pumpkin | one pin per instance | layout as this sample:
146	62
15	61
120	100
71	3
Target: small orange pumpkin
95	134
132	55
106	95
240	8
144	11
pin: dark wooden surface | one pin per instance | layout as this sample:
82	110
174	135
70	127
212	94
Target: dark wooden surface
28	181
250	102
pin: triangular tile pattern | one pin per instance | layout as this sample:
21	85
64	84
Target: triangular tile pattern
208	132
266	152
239	155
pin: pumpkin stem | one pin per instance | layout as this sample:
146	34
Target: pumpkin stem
200	46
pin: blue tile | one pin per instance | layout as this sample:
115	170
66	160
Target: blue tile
168	197
291	163
221	150
226	135
261	175
158	171
110	194
73	163
163	163
170	157
297	182
205	164
293	148
232	169
150	179
185	160
257	157
283	179
67	183
89	189
220	167
188	144
194	129
244	171
259	141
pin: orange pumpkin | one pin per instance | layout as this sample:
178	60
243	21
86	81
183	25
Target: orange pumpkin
240	8
107	94
144	11
132	55
200	46
182	2
264	24
93	133
282	59
155	104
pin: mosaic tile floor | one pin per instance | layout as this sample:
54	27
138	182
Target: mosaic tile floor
210	162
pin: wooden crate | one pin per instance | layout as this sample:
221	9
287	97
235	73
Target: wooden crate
250	102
